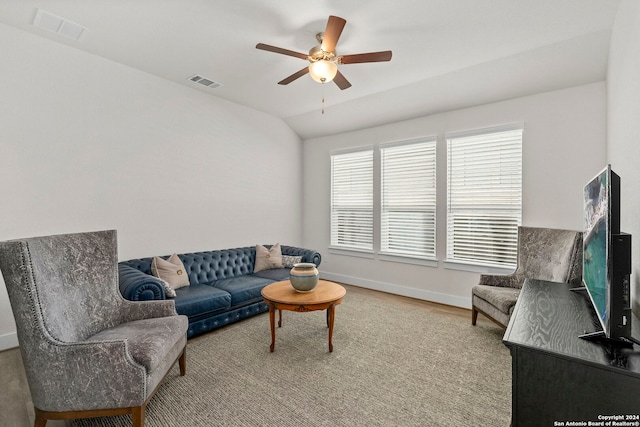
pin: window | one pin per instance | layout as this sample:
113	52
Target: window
408	199
352	200
484	196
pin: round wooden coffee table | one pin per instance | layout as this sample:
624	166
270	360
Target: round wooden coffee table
281	296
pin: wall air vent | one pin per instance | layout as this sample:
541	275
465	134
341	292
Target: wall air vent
55	24
204	81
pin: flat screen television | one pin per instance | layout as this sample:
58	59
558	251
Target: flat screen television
606	263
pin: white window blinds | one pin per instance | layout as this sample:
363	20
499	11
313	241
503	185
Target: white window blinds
408	199
352	200
484	197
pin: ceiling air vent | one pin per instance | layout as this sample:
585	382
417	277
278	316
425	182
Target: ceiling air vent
56	24
204	81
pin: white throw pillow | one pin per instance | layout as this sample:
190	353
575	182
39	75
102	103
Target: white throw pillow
289	260
168	290
267	259
171	270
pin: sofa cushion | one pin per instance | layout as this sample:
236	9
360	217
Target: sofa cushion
504	299
268	258
149	340
489	310
199	299
172	270
275	274
243	289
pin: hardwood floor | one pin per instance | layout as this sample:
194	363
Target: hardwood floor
16	408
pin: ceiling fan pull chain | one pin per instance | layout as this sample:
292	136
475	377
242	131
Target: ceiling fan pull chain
322	97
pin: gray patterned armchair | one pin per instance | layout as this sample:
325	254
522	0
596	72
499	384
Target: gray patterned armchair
544	254
87	351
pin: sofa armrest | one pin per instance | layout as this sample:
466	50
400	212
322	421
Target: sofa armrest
308	255
152	309
502	280
138	286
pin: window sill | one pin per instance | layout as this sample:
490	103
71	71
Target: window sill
427	262
476	268
351	252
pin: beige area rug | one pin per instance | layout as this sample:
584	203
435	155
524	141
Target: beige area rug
394	363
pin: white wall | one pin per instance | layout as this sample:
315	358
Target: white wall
88	144
564	146
623	126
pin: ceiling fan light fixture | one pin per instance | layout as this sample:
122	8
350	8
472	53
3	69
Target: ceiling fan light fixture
323	58
323	71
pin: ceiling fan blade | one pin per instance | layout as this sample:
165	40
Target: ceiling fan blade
294	76
341	81
332	33
275	49
366	57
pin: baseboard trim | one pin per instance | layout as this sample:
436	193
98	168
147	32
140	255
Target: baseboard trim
8	341
406	291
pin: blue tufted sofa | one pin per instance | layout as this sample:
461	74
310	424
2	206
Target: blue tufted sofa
223	287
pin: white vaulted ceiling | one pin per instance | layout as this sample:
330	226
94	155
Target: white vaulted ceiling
447	54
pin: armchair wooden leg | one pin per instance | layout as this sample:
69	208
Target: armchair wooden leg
40	420
182	362
137	415
474	315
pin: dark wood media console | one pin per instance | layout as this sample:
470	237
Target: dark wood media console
559	378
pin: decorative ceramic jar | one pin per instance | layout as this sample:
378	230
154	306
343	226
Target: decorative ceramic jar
304	276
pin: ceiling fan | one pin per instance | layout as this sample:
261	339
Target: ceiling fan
323	59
